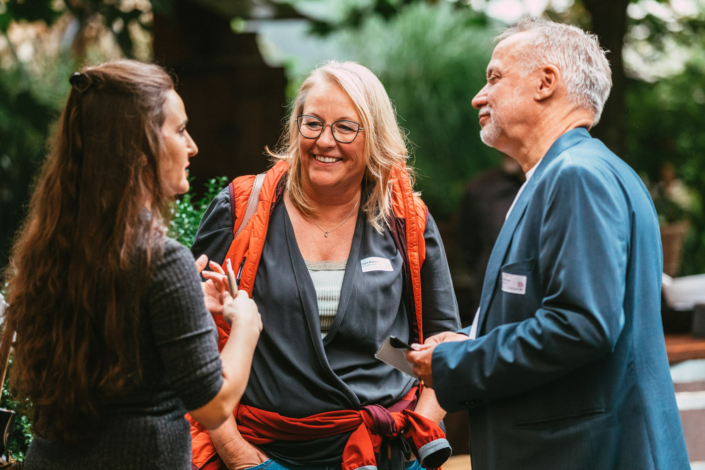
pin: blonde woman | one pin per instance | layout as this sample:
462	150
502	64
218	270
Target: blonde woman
333	283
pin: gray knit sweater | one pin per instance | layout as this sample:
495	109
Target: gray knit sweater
145	428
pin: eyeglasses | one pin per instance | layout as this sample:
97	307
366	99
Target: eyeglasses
343	131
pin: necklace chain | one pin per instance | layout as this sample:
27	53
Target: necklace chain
341	224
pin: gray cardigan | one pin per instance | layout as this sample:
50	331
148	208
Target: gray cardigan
146	428
296	373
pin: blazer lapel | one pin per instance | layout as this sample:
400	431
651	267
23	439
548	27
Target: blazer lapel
504	239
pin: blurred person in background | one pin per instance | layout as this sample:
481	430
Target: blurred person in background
565	366
114	343
486	201
349	257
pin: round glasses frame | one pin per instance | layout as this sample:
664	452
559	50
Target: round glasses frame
323	127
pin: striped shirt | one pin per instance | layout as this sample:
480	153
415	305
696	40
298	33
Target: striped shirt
327	277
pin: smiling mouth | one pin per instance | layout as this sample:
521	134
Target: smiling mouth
323	159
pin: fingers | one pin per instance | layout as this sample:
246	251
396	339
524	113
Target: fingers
422	352
446	337
219	280
413	356
242	294
435	339
216	267
421	364
453	337
201	263
225	295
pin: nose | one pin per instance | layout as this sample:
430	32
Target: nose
326	138
480	99
191	146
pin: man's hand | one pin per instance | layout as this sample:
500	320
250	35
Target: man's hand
216	283
446	337
421	355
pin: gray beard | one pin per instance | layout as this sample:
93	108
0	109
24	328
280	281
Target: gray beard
490	132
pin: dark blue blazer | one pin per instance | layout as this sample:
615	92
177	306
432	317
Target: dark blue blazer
569	370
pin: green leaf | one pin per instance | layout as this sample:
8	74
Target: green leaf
187	213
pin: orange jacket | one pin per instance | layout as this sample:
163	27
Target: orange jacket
407	228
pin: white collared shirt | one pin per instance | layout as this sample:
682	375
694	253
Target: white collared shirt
529	174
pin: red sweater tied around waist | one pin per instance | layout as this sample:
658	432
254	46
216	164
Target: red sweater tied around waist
369	426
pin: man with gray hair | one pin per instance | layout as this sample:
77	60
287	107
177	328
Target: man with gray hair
565	365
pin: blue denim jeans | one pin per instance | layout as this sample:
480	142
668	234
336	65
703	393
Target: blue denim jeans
272	465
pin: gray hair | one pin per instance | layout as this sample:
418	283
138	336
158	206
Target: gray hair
586	70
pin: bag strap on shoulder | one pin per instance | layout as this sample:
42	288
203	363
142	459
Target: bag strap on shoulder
251	203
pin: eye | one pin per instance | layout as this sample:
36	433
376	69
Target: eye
345	128
314	125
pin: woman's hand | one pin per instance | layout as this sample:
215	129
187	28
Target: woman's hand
233	449
241	455
216	283
242	314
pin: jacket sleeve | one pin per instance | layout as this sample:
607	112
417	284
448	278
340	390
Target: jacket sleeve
582	259
215	232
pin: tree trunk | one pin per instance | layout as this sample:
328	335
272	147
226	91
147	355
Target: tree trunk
609	22
235	101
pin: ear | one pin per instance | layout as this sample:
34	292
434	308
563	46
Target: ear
549	76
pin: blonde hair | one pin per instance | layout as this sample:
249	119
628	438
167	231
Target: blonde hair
385	143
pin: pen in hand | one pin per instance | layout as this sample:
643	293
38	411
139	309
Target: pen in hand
232	282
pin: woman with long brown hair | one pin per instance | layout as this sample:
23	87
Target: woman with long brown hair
114	343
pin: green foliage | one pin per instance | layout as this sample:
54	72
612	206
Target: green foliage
22	435
356	12
28	108
432	61
27	10
665	124
188	212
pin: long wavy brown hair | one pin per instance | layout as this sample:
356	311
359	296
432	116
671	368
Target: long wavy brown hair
83	253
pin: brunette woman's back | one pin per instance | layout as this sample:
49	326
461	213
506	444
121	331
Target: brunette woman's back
145	426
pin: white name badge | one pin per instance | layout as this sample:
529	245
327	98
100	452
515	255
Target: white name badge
376	264
514	283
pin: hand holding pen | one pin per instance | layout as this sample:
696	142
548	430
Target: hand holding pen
240	312
220	286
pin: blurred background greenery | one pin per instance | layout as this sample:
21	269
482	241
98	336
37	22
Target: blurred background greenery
430	54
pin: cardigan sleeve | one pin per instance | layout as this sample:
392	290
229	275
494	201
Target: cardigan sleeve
183	329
